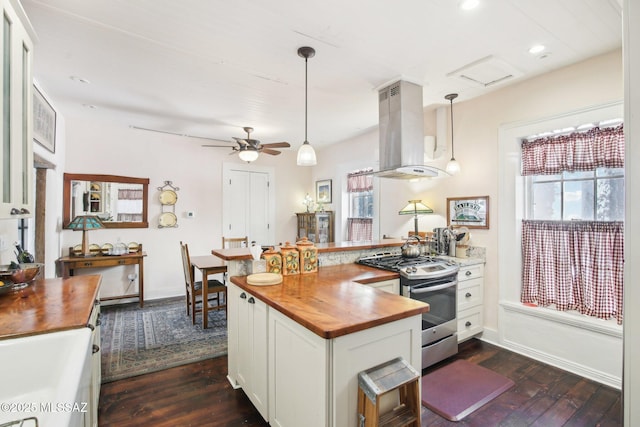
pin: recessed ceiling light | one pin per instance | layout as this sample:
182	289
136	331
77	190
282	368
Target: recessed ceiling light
79	79
469	4
536	49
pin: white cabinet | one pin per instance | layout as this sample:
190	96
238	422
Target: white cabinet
16	120
96	371
392	286
470	298
298	374
247	318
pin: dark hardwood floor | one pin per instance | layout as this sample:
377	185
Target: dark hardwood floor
200	395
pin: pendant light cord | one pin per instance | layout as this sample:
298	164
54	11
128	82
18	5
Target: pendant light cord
306	97
451	102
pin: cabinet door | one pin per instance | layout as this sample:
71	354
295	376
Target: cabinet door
298	374
392	286
16	153
258	389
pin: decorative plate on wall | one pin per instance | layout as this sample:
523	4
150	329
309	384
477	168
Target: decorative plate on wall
168	197
167	219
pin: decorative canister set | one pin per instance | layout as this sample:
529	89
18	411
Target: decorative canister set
301	258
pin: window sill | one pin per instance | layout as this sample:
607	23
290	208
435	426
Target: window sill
571	318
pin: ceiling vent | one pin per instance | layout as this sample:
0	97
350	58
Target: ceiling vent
486	72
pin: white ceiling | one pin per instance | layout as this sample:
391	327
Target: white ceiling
210	67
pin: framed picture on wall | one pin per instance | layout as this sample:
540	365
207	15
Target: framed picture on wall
472	212
44	121
323	191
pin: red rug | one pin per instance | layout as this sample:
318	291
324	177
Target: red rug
459	388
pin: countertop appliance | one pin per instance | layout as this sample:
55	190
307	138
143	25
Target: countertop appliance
434	281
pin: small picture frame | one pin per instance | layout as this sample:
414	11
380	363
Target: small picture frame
471	212
44	121
323	191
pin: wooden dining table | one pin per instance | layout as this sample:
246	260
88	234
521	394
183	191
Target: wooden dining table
207	264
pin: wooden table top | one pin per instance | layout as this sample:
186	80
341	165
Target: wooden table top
207	261
333	302
48	305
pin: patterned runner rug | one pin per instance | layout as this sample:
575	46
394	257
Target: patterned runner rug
137	341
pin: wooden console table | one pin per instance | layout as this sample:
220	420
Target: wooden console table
69	264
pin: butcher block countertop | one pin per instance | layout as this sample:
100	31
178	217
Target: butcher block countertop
239	254
333	302
48	305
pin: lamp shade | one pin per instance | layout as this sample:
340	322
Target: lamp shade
85	223
415	207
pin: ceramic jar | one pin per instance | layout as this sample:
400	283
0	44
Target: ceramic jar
273	261
290	259
308	256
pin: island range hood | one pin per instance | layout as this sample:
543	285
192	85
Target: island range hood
401	129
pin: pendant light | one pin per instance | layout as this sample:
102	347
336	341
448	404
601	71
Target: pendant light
453	167
306	153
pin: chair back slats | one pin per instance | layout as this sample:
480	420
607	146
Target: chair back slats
235	242
186	265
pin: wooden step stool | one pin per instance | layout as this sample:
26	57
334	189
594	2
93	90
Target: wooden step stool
395	374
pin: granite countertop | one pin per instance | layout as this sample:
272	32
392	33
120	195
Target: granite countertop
238	254
48	305
333	302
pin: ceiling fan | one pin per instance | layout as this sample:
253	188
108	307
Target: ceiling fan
248	149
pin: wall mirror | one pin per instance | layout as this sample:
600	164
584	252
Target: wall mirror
119	201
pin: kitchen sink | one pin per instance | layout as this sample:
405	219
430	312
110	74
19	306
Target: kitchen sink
46	376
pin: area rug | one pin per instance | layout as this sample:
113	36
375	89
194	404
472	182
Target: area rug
138	341
459	388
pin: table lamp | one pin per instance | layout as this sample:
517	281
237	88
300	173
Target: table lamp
84	223
415	207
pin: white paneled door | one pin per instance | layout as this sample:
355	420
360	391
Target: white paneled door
247	208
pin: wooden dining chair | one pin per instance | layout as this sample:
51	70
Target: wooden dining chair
217	291
235	242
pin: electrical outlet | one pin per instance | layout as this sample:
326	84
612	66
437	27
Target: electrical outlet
3	242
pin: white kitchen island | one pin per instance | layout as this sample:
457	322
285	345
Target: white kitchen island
296	348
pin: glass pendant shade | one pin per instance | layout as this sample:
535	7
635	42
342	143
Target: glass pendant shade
453	167
248	155
306	155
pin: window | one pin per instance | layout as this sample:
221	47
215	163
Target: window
360	192
589	196
573	239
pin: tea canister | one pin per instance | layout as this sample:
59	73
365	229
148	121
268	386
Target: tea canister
290	259
308	256
273	261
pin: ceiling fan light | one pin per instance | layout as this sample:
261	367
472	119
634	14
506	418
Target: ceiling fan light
306	155
248	155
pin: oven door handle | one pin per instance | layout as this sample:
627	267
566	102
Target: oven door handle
426	289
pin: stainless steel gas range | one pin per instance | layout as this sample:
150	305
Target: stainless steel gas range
434	281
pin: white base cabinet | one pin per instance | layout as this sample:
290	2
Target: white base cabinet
470	300
96	370
311	381
392	286
247	321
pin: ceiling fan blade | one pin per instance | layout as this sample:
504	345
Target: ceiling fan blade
269	151
221	146
277	145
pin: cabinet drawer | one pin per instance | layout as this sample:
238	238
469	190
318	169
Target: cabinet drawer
470	272
469	294
470	323
88	263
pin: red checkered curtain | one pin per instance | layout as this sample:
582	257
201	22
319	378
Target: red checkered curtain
359	181
579	151
359	229
575	265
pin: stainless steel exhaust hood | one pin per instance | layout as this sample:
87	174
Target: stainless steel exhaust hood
402	133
